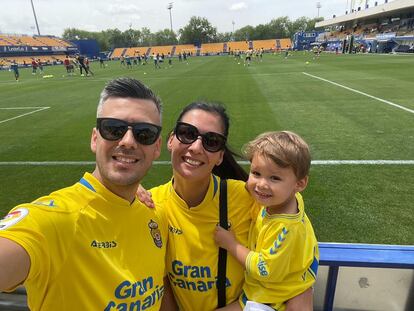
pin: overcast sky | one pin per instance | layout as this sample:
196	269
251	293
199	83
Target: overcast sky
16	16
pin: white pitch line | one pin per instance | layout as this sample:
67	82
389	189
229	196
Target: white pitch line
314	162
359	92
24	114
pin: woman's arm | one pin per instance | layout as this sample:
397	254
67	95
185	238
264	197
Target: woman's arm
168	301
301	302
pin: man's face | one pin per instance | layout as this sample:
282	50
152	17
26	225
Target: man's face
122	164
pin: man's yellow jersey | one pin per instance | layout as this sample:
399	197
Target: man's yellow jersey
284	257
192	254
90	250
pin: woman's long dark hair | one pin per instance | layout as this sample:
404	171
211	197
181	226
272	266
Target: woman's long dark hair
229	168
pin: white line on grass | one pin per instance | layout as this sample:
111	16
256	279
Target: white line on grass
359	92
37	109
314	162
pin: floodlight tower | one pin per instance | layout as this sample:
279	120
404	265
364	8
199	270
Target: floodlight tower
169	7
318	6
34	14
233	30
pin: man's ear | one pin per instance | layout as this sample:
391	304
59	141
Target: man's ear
301	184
94	138
157	151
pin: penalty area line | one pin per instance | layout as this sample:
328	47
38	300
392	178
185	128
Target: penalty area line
359	92
37	109
314	162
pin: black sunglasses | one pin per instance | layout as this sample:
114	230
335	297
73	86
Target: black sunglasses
114	129
187	134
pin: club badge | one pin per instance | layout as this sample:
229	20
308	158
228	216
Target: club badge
155	233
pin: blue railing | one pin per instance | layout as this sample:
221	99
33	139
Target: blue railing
336	255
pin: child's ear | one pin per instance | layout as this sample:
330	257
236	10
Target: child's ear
301	184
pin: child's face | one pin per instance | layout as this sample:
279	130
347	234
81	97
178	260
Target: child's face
272	185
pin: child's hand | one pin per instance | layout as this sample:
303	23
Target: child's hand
224	238
145	197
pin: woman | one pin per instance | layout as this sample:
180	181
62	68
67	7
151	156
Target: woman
199	155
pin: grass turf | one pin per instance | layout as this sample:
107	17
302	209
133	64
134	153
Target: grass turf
346	203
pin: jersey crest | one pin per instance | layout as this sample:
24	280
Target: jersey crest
155	233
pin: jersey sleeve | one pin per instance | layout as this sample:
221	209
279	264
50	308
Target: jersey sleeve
42	232
271	260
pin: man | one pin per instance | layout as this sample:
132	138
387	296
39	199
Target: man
81	62
15	68
93	246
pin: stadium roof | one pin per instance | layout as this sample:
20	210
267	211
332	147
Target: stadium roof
383	10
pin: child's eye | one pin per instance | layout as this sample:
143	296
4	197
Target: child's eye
255	173
274	178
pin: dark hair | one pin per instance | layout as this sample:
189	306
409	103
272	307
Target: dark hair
127	87
229	168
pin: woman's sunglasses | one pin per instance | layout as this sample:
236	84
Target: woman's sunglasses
187	134
114	129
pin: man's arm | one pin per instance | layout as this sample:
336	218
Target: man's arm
14	264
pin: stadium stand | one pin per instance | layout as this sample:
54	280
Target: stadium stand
238	45
382	28
117	53
161	49
22	48
267	45
212	48
134	51
188	48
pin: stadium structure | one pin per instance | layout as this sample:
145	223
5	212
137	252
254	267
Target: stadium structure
377	28
23	48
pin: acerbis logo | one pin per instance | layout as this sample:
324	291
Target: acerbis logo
174	230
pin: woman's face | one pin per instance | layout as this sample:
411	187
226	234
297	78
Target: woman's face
191	161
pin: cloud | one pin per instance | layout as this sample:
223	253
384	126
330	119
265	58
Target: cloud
238	6
123	9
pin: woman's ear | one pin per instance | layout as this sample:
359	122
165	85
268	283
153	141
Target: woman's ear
169	141
220	160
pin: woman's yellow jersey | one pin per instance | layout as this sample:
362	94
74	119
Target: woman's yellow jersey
192	254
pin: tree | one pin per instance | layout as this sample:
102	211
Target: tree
165	37
146	37
197	31
245	33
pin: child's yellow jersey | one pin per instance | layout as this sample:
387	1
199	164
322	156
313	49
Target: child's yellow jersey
90	250
192	254
284	257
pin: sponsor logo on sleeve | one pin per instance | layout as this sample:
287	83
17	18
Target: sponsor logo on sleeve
13	218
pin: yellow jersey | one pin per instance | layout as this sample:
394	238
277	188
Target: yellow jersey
192	254
284	258
90	250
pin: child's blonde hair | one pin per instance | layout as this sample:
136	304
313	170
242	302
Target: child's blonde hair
284	148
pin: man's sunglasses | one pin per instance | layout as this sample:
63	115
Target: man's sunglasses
187	134
114	129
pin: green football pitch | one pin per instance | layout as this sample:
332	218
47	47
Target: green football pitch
355	111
